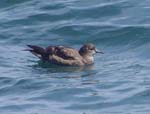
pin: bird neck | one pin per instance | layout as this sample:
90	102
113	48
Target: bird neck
88	59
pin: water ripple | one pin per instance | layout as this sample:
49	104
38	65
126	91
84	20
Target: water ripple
117	83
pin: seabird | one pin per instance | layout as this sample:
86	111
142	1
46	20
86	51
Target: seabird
62	55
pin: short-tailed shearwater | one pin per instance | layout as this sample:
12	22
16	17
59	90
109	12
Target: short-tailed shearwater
62	55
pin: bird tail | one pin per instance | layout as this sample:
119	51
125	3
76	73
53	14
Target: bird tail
36	50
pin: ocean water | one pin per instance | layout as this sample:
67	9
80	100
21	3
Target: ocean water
118	82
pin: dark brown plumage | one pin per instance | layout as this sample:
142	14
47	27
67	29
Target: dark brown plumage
63	55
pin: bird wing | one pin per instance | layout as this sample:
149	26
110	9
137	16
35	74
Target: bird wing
69	53
64	56
60	61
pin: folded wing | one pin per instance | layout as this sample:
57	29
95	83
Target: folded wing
63	52
64	55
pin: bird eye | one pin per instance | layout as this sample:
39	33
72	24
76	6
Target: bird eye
92	49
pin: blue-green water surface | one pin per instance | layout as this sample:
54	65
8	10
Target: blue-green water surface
118	82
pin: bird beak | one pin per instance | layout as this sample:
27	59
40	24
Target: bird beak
98	51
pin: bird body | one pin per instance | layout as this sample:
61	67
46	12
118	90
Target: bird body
62	55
